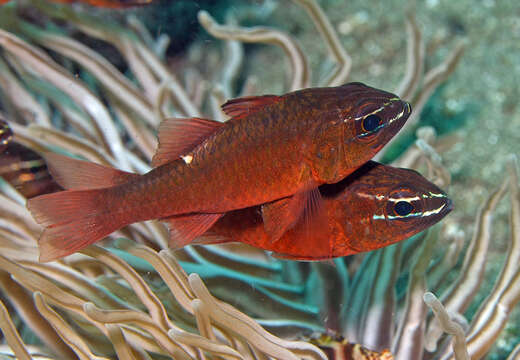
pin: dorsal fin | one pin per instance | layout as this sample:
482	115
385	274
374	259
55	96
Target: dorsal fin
179	136
75	174
241	107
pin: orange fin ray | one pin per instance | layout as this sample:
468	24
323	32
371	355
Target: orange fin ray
304	209
185	228
281	215
241	107
178	136
323	259
77	174
210	238
73	220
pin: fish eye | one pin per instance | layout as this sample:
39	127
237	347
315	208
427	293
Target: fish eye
371	122
403	208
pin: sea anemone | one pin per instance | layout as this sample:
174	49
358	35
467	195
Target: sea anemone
132	298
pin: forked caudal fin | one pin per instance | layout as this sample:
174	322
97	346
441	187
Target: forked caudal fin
72	219
75	174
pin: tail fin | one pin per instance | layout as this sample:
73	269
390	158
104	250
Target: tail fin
74	174
73	219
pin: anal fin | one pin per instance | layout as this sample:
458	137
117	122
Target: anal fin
185	228
209	238
325	260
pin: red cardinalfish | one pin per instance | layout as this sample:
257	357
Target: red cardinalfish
102	3
376	206
274	149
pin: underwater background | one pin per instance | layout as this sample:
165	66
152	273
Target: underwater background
83	80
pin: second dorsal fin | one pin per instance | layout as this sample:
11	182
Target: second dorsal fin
241	107
178	136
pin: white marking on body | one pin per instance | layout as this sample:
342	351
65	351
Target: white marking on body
371	197
187	158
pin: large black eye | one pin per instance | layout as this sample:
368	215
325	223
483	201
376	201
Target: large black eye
371	122
403	208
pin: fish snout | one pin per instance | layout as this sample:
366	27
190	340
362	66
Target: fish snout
449	205
407	108
401	111
439	207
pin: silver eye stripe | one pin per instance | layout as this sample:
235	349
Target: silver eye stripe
393	217
398	116
415	214
433	212
367	115
424	196
384	124
410	215
373	131
433	195
408	199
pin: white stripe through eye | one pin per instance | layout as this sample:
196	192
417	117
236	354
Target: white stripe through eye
409	199
433	212
432	195
397	117
366	115
381	109
416	214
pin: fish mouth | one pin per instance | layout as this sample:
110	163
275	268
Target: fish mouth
449	205
407	108
400	118
441	208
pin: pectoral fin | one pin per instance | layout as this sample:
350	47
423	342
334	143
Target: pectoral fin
185	228
304	209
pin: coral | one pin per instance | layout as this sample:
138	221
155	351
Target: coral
133	299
